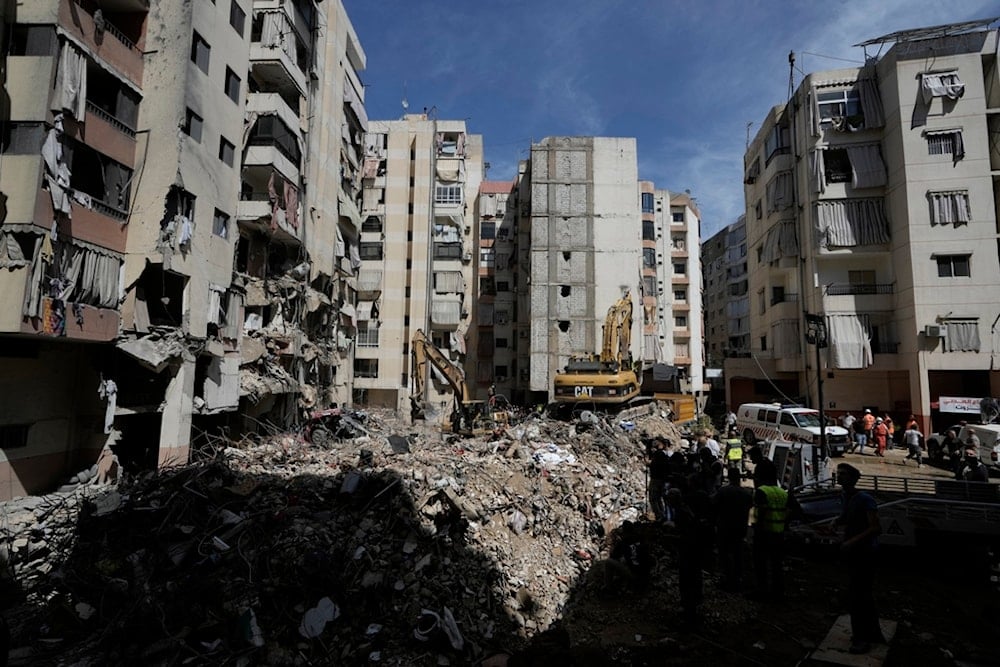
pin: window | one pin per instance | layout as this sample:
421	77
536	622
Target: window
503	286
677	216
227	152
680	269
648	285
838	166
758	210
237	17
861	277
447	251
949	207
647	202
648	230
953	266
963	335
502	343
680	295
840	104
648	258
487	258
763	343
192	125
21	138
762	308
200	52
372	223
777	143
681	322
777	294
366	368
487	230
367	334
677	242
370	250
448	194
945	142
487	285
232	85
32	40
220	224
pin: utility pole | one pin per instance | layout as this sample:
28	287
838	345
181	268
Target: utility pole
816	335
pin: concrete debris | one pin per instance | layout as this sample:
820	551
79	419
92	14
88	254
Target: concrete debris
156	350
400	545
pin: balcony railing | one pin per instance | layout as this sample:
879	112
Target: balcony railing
885	348
784	298
111	29
111	120
843	289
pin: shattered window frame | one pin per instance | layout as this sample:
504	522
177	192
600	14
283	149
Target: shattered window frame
220	224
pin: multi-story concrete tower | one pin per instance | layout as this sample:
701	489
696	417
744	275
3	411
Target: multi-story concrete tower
726	314
187	207
873	197
686	335
585	249
495	334
417	254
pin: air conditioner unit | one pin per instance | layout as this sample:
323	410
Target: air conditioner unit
936	331
467	257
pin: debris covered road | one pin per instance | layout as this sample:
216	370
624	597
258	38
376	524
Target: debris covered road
401	546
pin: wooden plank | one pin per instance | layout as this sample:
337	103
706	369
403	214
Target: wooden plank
835	648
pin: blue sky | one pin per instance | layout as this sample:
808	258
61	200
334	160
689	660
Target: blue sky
684	78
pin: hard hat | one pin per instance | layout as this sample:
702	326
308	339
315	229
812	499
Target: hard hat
868	412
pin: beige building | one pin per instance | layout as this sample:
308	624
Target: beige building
174	241
873	197
418	247
685	330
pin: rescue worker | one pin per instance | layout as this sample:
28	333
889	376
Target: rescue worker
734	453
691	556
732	506
763	468
868	424
772	505
659	476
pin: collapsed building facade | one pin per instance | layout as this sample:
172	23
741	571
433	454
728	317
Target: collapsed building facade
180	236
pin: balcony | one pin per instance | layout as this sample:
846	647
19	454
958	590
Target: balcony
268	154
273	103
843	289
273	66
118	46
784	298
369	284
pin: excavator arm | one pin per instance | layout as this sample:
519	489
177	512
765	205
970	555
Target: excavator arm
618	332
423	351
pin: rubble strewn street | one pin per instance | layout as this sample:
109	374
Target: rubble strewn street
402	546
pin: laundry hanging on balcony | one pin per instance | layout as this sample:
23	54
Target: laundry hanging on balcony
941	84
71	81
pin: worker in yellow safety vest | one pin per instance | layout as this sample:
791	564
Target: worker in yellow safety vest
772	506
734	453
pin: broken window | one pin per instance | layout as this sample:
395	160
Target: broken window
105	182
840	106
366	368
371	250
271	131
159	296
220	224
113	101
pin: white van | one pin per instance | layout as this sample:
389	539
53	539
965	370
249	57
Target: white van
773	421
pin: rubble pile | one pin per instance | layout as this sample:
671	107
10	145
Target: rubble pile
402	546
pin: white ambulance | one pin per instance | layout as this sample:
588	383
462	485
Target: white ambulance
773	421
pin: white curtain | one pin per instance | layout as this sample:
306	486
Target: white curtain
71	81
782	240
942	84
850	343
448	282
446	313
779	192
868	170
950	207
446	234
963	336
817	169
851	222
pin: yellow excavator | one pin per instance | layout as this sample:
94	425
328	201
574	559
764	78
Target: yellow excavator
606	380
468	416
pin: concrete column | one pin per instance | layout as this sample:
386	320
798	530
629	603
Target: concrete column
175	429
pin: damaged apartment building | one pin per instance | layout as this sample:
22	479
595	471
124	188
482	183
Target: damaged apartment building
179	245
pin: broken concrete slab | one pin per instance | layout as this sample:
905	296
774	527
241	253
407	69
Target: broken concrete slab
153	353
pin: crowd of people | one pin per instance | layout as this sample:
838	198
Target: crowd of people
710	493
